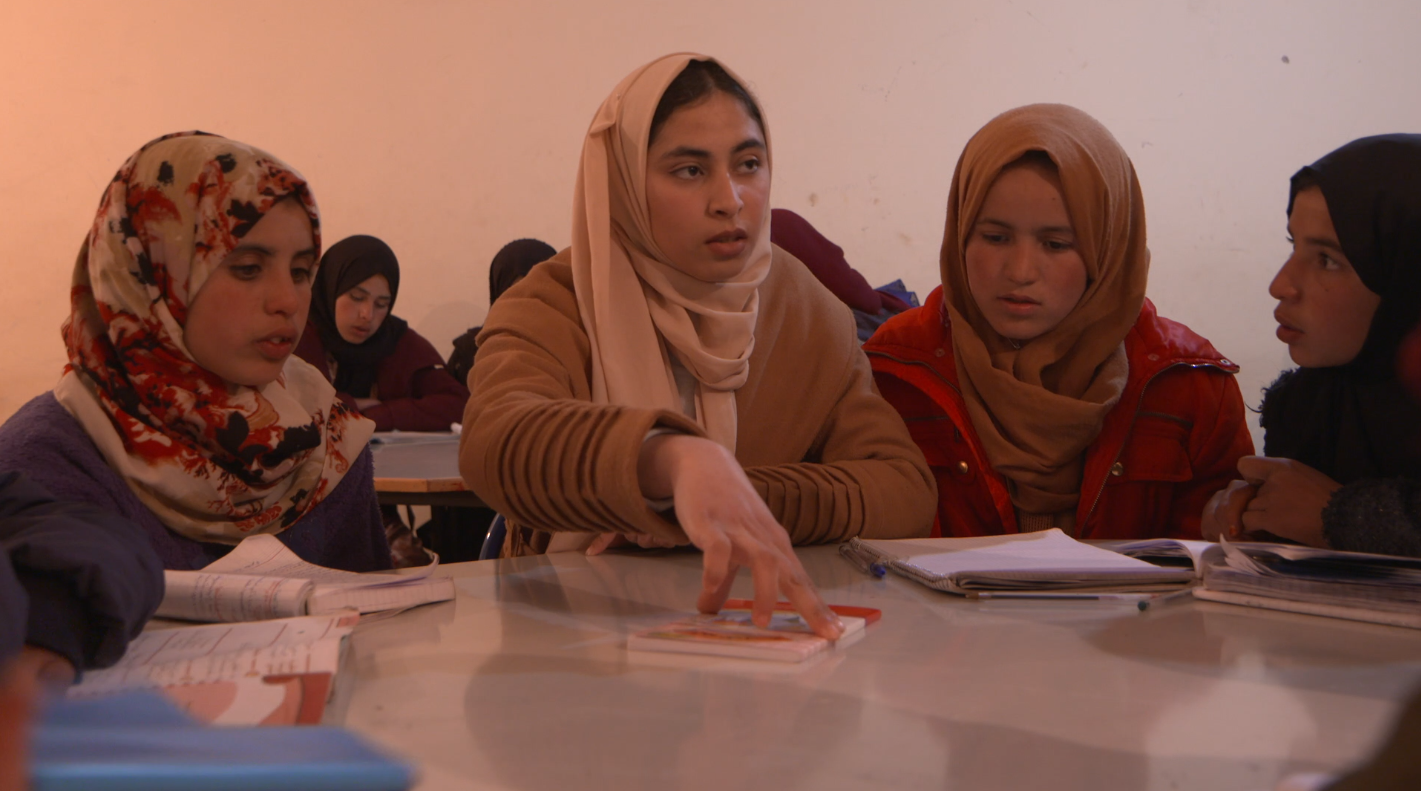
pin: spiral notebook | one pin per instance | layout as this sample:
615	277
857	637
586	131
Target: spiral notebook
1045	561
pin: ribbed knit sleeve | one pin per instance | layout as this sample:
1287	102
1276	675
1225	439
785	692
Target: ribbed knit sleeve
865	477
534	446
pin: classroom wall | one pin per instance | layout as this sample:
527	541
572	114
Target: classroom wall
449	128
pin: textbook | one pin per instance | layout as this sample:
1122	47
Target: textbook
140	742
273	672
260	578
731	632
1353	585
1044	562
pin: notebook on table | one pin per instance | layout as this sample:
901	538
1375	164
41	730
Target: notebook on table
1045	561
262	578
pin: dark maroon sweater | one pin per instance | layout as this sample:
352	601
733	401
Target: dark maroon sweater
415	392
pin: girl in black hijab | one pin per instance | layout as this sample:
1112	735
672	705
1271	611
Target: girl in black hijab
511	264
1342	436
376	362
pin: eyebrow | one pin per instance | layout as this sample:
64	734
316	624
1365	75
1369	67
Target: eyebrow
1062	229
309	252
1327	242
700	153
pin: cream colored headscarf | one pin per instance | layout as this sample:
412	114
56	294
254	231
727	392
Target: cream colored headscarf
213	460
1038	407
635	302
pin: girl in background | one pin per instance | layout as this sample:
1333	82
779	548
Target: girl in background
1041	384
512	263
377	363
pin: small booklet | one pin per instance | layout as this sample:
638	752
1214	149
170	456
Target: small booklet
260	578
1019	563
1353	585
731	632
274	672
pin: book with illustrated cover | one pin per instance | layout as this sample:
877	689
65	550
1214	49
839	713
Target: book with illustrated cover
732	632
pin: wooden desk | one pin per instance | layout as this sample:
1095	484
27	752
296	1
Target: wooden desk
524	682
419	469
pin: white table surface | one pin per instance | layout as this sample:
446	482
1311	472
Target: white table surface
524	682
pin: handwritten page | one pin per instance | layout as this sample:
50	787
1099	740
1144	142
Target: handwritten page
224	652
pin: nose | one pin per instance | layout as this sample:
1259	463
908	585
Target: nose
284	297
366	311
1020	266
724	199
1283	287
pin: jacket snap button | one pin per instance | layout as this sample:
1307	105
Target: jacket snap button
962	468
1117	469
1153	356
939	352
1225	362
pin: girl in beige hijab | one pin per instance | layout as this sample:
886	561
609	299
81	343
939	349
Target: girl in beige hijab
673	377
1042	385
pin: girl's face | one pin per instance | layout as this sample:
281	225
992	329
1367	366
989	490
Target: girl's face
1324	311
1023	269
361	310
707	186
246	319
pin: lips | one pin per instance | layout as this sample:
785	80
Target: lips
728	244
1018	303
278	345
1287	333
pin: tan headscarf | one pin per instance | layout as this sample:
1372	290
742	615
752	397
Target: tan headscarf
1038	407
634	300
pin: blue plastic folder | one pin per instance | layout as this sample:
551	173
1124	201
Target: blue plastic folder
141	742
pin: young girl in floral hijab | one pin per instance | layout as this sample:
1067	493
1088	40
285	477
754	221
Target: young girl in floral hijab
182	407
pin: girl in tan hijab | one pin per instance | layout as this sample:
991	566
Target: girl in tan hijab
673	377
1041	384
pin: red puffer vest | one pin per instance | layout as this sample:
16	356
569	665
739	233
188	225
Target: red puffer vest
1172	441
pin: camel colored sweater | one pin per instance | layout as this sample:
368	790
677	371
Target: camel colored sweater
829	456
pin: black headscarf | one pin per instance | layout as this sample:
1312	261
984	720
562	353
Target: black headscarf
513	263
347	264
1355	421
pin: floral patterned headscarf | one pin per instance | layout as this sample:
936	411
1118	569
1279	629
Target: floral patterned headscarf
215	461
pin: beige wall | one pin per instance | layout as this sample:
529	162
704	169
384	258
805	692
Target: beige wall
448	128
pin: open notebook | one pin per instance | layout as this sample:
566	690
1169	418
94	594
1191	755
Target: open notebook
260	578
1045	561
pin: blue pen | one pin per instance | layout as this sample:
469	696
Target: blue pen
851	553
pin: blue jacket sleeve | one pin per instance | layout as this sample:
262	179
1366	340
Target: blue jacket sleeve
91	578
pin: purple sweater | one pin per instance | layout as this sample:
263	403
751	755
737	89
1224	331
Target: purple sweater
44	441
